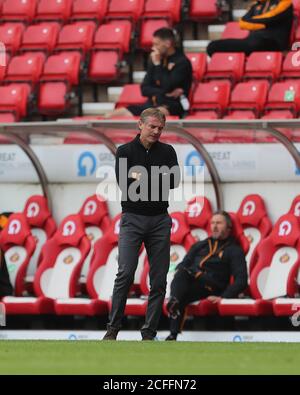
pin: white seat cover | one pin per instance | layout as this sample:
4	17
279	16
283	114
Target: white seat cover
41	238
14	257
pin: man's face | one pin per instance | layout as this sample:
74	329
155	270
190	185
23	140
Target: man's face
161	46
151	129
219	228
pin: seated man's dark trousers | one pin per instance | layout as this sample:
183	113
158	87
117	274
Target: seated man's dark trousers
154	231
185	289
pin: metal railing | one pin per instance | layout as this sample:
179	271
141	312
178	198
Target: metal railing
19	133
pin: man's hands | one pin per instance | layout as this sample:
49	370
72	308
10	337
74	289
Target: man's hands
175	93
214	299
155	57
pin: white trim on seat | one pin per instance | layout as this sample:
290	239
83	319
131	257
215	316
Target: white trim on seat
237	301
74	301
20	300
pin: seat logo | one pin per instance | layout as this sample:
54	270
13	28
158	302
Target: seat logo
69	228
248	208
297	210
285	228
175	226
14	227
90	208
194	210
33	210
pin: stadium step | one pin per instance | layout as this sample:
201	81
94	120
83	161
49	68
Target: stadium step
97	108
195	45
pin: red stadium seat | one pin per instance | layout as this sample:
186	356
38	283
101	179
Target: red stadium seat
284	95
19	10
100	278
42	226
42	36
61	73
27	67
11	35
198	62
291	65
295	207
212	95
256	224
131	94
89	9
54	10
198	214
249	96
236	135
296	4
204	10
226	65
274	273
129	9
263	65
95	216
148	27
4	62
76	36
18	245
263	137
170	9
114	35
232	30
6	117
104	66
14	98
58	273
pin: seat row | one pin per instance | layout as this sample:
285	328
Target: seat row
75	269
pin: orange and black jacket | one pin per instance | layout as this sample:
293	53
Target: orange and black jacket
215	261
270	19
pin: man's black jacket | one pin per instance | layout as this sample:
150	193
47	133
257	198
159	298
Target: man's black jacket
155	200
174	72
228	260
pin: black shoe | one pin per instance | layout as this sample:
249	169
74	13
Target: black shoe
111	334
172	336
173	308
147	338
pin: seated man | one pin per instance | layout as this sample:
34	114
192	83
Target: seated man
269	23
167	81
206	270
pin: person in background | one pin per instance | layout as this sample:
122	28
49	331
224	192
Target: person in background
269	23
167	81
206	272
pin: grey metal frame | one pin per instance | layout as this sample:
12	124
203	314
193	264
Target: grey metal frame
19	134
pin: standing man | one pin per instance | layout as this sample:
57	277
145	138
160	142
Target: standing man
146	170
167	81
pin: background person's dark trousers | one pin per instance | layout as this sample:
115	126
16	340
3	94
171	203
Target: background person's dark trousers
246	45
186	289
154	231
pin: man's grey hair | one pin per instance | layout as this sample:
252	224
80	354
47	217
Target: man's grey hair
152	112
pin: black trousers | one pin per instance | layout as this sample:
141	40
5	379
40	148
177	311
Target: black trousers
246	45
186	289
154	231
